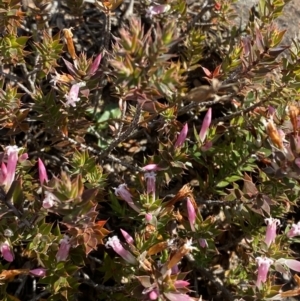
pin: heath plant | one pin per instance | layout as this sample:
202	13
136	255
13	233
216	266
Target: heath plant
150	150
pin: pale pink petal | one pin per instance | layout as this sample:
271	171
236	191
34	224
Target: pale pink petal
127	237
42	172
181	283
95	65
205	125
115	244
39	272
64	249
293	264
153	295
6	252
272	224
122	192
264	264
182	136
191	213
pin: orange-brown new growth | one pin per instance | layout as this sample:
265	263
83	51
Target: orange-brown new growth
69	41
184	250
274	135
293	114
183	193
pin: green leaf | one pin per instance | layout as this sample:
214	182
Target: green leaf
222	184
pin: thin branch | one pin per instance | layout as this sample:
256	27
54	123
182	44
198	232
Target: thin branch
216	282
99	154
249	109
15	80
100	287
4	198
194	104
212	278
39	296
131	128
122	162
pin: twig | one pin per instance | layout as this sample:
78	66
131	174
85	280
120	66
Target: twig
194	104
4	198
122	162
217	283
30	80
23	279
99	154
39	296
249	109
15	80
100	287
213	279
121	124
125	134
204	8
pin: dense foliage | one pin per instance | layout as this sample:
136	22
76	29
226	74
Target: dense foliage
150	151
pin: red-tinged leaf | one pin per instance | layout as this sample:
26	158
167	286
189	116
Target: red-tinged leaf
101	223
249	186
207	72
216	72
89	194
259	41
70	67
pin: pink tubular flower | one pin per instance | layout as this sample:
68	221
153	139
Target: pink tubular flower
157	10
264	264
205	125
181	284
153	295
271	111
206	146
64	249
122	192
6	251
95	65
42	172
114	243
127	237
23	157
294	231
72	96
150	177
8	172
182	136
272	224
191	213
151	167
290	263
175	269
148	217
203	243
49	200
39	272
